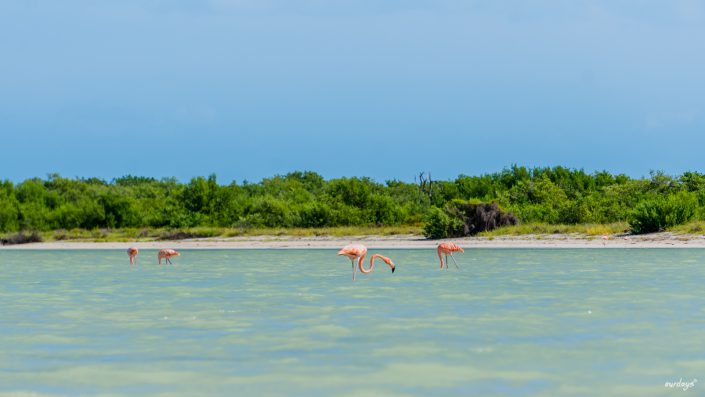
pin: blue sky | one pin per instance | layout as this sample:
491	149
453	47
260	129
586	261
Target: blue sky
252	88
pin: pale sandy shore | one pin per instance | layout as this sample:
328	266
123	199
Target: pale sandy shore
656	240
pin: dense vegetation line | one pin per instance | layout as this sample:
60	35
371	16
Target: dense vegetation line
306	200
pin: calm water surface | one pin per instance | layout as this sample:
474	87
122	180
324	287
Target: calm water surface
291	322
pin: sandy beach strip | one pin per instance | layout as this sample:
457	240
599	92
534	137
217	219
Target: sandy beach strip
655	240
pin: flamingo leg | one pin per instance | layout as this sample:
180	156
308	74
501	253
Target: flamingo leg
353	268
168	261
456	263
446	261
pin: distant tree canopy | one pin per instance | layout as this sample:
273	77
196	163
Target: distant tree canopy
305	199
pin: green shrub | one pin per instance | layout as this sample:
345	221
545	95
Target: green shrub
9	215
681	208
648	217
272	212
315	215
385	211
437	224
659	213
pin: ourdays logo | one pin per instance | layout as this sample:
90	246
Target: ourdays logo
681	384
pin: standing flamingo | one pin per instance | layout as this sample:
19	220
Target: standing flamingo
605	238
132	252
357	252
448	249
167	254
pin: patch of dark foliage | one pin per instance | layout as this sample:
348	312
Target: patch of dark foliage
21	238
479	217
180	235
461	218
176	235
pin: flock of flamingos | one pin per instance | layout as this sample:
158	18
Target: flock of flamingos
355	252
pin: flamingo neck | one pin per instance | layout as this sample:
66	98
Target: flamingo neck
360	264
372	263
440	255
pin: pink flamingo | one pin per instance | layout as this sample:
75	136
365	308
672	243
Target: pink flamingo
132	252
604	239
357	252
448	249
167	254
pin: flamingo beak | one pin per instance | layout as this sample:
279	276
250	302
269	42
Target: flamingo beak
394	268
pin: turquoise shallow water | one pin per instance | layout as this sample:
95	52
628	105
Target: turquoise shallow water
291	322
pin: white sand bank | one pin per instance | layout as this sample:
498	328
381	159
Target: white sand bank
656	240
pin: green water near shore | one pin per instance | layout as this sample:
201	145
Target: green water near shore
615	322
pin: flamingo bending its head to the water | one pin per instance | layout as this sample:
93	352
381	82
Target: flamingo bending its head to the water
448	249
357	252
132	252
167	254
